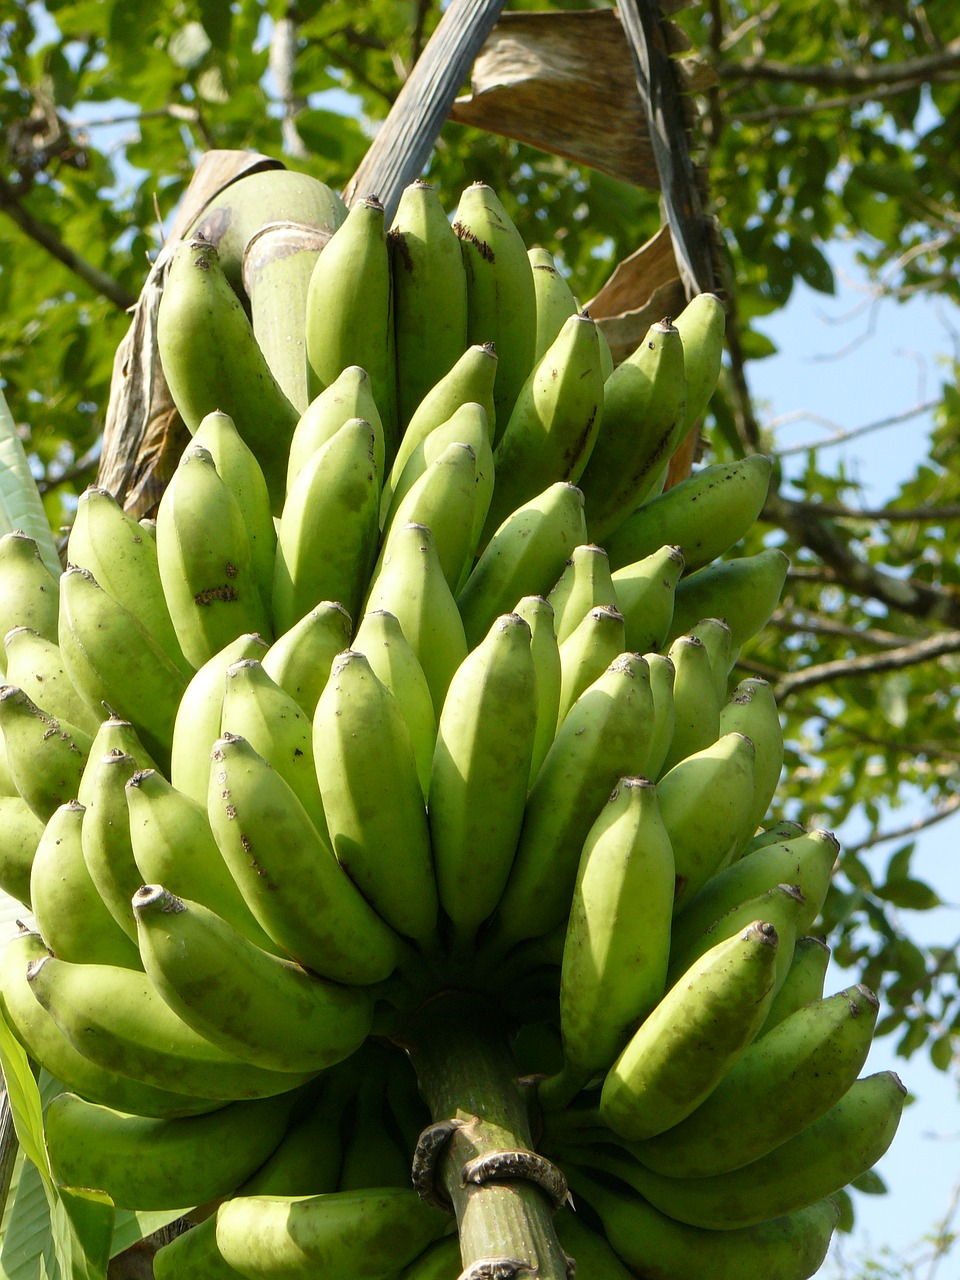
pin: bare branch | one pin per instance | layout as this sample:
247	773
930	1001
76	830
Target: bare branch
932	66
45	236
841	436
775	113
946	810
868	664
800	620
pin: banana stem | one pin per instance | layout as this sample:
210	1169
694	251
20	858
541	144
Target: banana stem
459	1049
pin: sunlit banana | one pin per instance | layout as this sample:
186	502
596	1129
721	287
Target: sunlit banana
46	756
287	873
662	673
205	563
372	796
701	324
614	957
644	407
782	1083
35	665
299	659
501	299
211	359
555	301
645	596
704	515
717	638
350	311
327	536
348	396
696	702
266	1010
239	469
200	712
602	739
381	640
804	982
429	295
525	556
752	710
553	424
478	785
117	1019
29	592
538	614
584	584
193	1159
411	585
743	592
105	838
693	1037
587	652
114	547
20	829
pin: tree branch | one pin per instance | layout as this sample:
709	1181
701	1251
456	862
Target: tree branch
869	663
930	66
924	515
801	620
775	113
946	810
840	436
48	239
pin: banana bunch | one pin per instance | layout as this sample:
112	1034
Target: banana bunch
426	689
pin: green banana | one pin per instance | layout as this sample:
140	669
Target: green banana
429	295
704	515
35	664
501	298
256	708
105	838
538	614
113	547
645	596
696	702
117	1019
478	784
701	325
372	1152
803	983
70	914
782	1083
553	424
46	1044
602	739
266	1010
350	312
444	498
439	1261
555	300
29	592
806	860
173	845
525	556
752	710
115	736
381	640
782	906
705	804
717	639
469	382
662	673
205	562
211	360
20	829
200	712
299	660
193	1159
743	592
790	1247
327	537
287	873
618	935
411	585
346	1235
693	1036
46	756
467	425
584	584
644	407
587	652
238	468
348	396
590	1249
372	797
823	1157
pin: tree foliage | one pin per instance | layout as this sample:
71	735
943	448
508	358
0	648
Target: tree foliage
829	120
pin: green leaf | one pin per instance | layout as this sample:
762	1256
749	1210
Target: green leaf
189	45
891	179
217	19
913	895
81	1224
756	346
870	1183
942	1053
20	504
24	1095
813	267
